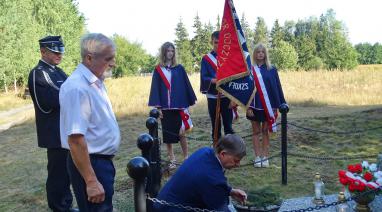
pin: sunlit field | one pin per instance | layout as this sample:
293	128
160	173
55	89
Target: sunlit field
362	86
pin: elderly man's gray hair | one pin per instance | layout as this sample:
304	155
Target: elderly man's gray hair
94	43
233	144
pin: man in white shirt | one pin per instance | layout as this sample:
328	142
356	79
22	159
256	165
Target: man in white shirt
88	125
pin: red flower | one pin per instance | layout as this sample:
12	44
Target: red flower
351	168
344	180
358	168
342	173
368	176
361	186
352	186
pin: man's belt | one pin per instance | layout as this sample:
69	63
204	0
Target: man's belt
100	156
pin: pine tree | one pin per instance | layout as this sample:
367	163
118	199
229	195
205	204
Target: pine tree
183	48
334	48
288	32
248	33
200	43
261	32
218	25
277	34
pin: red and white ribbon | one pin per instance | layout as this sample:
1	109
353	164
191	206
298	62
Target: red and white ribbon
186	121
264	98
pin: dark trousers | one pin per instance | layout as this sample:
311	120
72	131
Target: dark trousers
58	182
105	172
226	115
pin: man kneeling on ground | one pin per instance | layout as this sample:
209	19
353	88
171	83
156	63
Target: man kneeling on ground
200	182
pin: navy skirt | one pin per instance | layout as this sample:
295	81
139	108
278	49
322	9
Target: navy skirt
258	115
171	124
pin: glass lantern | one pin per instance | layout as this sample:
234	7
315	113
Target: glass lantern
318	190
343	206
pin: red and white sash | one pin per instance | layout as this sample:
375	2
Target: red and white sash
211	59
184	114
161	70
264	98
235	114
186	121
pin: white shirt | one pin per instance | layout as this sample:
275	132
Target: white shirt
86	110
167	73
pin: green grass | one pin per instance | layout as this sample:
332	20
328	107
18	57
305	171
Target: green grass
23	165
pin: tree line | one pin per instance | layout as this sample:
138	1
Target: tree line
309	44
312	43
24	22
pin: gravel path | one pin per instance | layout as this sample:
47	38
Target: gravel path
20	118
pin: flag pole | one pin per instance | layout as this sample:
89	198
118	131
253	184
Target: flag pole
217	120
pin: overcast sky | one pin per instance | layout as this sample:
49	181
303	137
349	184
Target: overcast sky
153	22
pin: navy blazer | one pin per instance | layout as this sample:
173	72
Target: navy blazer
199	182
182	95
44	84
273	86
207	73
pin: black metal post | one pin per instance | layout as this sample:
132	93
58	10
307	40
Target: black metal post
284	142
145	142
138	168
155	163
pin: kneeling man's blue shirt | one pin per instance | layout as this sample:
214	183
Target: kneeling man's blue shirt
199	182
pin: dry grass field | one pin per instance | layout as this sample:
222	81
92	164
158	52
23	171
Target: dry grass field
361	87
340	101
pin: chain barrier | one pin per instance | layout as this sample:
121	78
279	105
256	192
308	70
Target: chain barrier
313	157
318	207
188	137
180	206
334	132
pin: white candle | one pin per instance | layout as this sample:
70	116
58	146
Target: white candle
317	191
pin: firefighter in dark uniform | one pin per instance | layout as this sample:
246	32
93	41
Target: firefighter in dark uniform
44	84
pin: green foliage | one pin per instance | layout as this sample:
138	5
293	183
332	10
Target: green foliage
218	25
284	56
288	31
183	47
306	48
23	23
61	17
131	58
314	63
261	32
263	197
316	42
369	54
277	34
248	33
377	53
334	48
200	44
